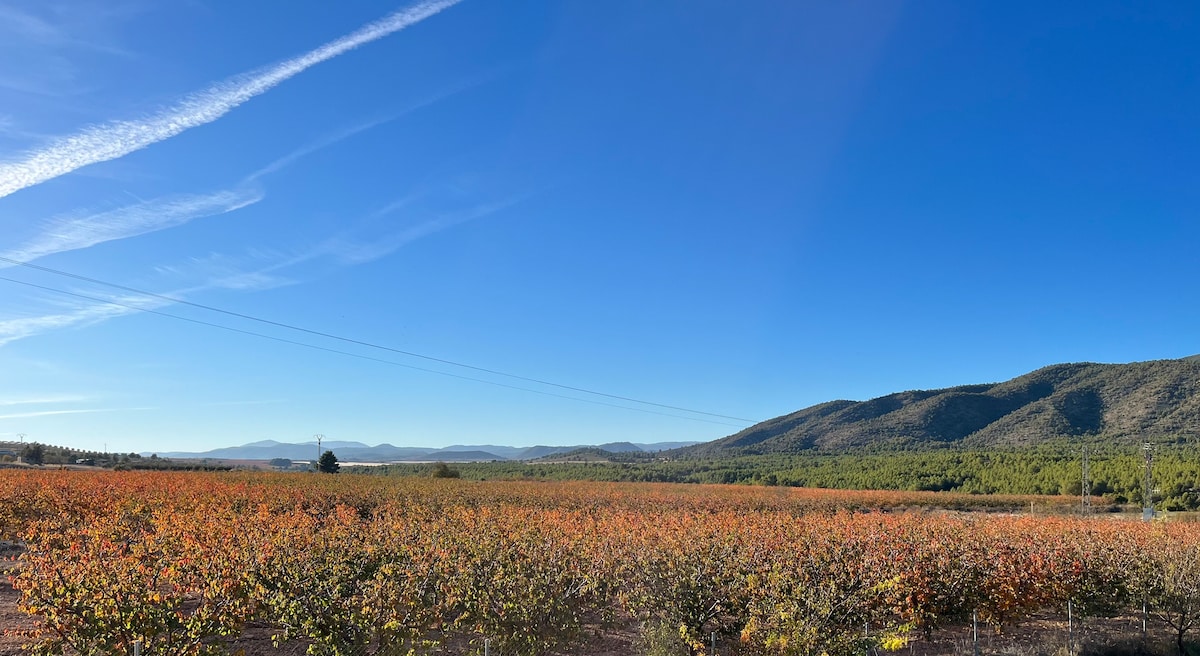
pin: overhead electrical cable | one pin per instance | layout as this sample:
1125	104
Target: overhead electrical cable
358	342
355	355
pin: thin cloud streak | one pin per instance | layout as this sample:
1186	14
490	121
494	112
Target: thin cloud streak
116	139
303	151
77	231
346	133
43	400
348	250
359	252
50	413
97	310
12	330
20	26
218	404
74	231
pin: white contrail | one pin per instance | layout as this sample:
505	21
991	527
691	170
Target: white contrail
306	150
107	141
50	413
346	133
42	399
12	330
362	251
76	231
350	252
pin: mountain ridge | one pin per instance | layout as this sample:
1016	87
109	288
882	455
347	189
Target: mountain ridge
1120	402
351	452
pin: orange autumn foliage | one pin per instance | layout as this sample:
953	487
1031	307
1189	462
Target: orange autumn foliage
183	562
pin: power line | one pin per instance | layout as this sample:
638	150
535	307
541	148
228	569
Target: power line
355	355
350	340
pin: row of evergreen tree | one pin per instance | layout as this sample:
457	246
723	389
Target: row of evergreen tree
1116	474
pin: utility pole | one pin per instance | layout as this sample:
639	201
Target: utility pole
1148	487
21	437
1087	485
318	437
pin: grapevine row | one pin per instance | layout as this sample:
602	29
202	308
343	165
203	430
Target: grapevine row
184	563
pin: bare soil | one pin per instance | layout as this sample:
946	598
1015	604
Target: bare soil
10	619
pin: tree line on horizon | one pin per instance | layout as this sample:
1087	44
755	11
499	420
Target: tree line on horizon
1116	474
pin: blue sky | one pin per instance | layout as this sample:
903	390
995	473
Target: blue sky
738	208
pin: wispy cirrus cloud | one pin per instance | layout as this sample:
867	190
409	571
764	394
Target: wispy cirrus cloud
346	133
40	46
353	249
77	230
42	400
59	26
86	309
51	413
223	273
10	130
109	141
218	404
22	24
80	230
12	330
252	272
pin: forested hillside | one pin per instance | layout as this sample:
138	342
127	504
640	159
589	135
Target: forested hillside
1101	403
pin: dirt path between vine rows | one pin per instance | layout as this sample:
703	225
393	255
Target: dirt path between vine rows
10	619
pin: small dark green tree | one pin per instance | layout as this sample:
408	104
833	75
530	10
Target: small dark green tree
442	470
280	463
328	464
33	454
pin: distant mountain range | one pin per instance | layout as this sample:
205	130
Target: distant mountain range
350	452
1118	402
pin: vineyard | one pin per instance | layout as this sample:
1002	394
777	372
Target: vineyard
191	564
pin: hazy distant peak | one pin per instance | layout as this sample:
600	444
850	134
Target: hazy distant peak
263	443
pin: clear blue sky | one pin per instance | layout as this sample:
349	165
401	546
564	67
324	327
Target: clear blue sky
740	208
